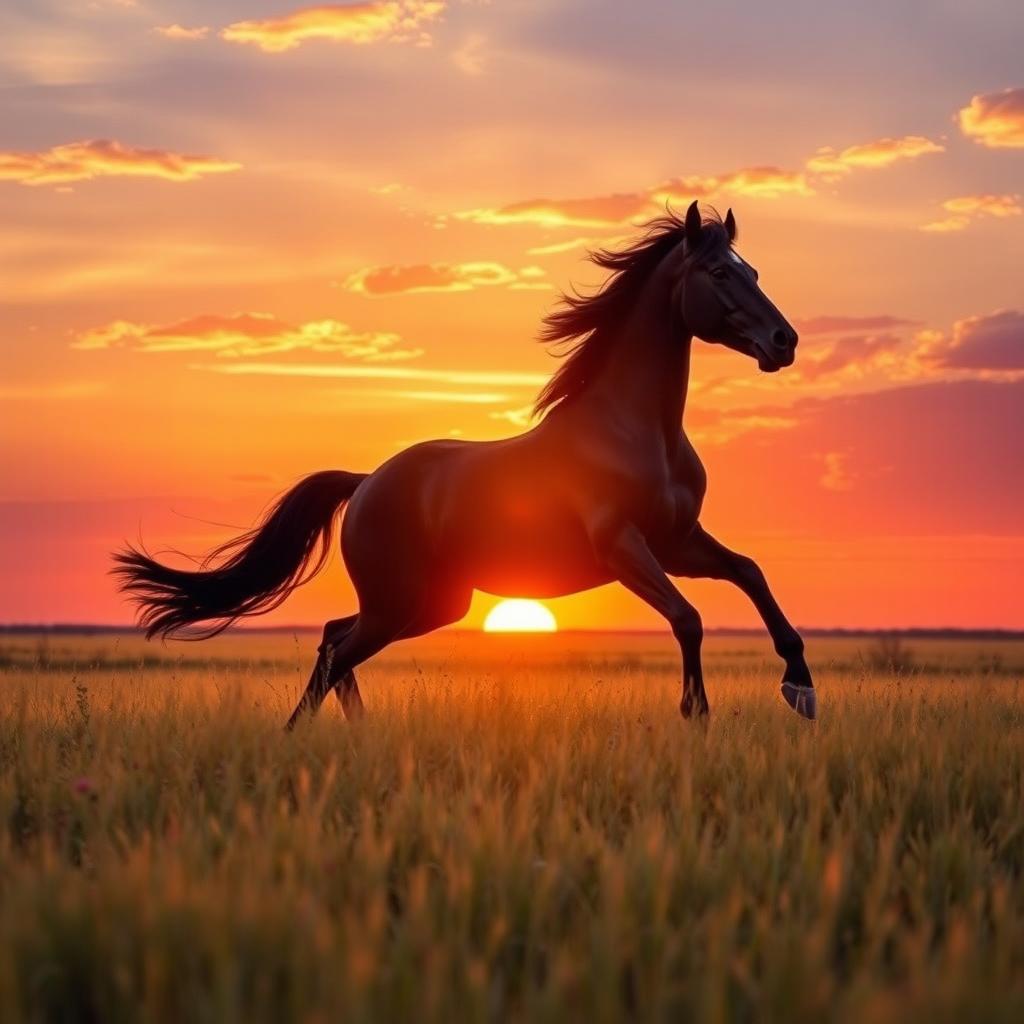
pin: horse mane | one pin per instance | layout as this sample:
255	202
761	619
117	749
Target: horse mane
590	322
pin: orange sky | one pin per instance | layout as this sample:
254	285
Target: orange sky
244	241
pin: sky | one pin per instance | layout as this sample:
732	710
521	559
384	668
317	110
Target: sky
243	241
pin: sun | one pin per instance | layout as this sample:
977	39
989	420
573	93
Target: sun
518	615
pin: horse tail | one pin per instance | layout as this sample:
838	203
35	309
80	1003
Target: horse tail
256	571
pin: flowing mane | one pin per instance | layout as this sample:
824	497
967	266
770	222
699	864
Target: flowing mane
591	321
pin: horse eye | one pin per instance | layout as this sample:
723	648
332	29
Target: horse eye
719	273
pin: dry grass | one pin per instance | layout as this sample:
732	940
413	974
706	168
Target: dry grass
522	829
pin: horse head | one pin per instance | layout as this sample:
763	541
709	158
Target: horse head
719	298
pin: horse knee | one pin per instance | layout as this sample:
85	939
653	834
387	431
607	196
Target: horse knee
687	626
334	631
747	573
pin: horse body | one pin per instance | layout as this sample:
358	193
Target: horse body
607	487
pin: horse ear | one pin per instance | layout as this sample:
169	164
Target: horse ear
730	225
693	224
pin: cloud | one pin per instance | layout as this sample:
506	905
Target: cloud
880	153
442	277
592	212
483	378
837	476
993	341
568	246
763	182
995	119
715	426
622	208
829	323
454	397
946	225
521	416
181	33
358	23
246	335
858	351
963	208
469	57
105	158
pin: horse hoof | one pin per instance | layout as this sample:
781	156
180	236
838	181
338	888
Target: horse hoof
802	699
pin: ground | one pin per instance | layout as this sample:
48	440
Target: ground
523	828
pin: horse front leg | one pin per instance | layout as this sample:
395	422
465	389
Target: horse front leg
626	554
699	555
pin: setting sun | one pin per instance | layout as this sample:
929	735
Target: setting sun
518	615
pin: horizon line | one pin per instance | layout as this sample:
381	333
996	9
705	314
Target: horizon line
1008	632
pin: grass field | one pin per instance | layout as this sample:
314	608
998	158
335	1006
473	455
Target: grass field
523	828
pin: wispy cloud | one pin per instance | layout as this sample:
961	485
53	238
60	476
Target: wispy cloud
105	158
879	153
995	119
763	182
442	277
830	323
469	57
718	427
358	23
962	209
567	246
591	212
470	378
181	33
855	352
518	417
836	475
446	397
623	208
245	335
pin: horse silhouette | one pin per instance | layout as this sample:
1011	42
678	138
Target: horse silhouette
605	487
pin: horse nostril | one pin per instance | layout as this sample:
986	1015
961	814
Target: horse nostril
779	338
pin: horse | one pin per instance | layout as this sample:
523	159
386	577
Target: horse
605	487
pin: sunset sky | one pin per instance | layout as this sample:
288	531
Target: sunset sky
243	241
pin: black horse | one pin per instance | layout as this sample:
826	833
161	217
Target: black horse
606	487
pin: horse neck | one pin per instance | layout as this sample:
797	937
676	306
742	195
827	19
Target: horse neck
645	377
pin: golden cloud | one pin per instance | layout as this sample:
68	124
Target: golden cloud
441	277
623	208
181	33
360	23
594	212
247	335
963	208
105	158
993	205
995	119
763	182
880	153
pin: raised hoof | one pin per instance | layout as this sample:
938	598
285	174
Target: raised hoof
802	699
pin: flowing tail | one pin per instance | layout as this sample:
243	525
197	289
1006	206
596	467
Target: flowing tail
257	570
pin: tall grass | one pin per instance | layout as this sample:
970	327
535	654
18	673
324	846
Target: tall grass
515	832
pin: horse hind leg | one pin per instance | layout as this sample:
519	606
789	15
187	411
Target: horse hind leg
318	686
364	637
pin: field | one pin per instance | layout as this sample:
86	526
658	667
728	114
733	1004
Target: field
523	828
